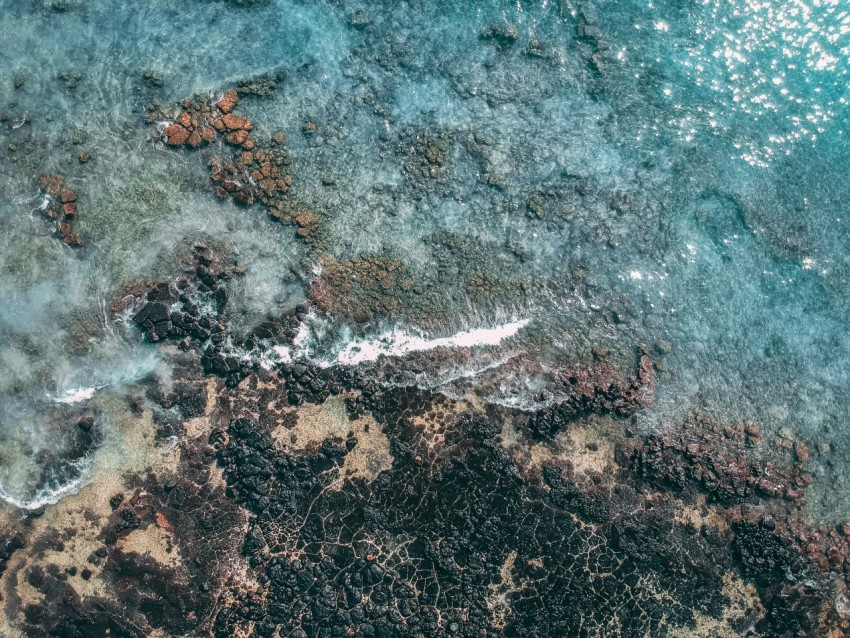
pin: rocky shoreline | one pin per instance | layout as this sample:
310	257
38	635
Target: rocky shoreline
297	499
406	512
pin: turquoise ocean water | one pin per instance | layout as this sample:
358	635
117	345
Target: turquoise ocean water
665	172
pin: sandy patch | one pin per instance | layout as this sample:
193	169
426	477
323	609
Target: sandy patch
317	423
154	542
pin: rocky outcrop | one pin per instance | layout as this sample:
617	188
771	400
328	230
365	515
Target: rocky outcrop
476	542
253	174
60	206
257	176
200	122
597	388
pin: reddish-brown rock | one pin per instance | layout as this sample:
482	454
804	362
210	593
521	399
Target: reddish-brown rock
244	197
236	122
175	135
228	101
237	137
207	133
60	207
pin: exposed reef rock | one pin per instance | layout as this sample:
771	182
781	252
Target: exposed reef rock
60	206
200	122
450	534
346	506
721	463
594	389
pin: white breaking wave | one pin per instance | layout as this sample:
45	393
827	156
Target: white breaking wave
397	343
50	497
392	343
76	395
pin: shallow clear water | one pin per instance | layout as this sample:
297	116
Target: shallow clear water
678	174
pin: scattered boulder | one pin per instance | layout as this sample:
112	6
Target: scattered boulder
153	78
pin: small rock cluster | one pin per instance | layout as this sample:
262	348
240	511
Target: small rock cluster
590	34
61	207
254	176
185	310
200	122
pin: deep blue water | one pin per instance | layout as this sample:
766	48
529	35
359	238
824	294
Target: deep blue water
688	162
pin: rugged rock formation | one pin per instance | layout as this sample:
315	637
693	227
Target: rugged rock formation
594	389
200	122
349	507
